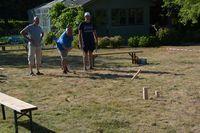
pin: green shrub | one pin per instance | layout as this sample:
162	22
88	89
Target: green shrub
191	36
62	15
75	42
60	32
13	39
154	41
166	35
144	41
4	39
148	41
162	34
48	38
13	27
116	41
133	41
104	42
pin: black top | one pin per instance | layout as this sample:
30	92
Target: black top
87	30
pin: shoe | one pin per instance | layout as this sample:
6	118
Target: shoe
67	70
64	72
39	73
32	74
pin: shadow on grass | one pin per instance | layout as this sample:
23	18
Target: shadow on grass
97	75
13	60
108	76
19	60
3	78
36	127
124	70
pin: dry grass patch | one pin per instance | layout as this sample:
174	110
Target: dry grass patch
106	99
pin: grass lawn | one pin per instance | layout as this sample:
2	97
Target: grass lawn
106	100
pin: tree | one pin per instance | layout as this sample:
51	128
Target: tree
61	16
188	10
7	9
55	12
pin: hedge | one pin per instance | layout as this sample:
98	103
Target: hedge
13	27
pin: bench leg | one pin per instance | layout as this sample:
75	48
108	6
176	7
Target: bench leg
15	121
3	48
132	57
3	112
31	122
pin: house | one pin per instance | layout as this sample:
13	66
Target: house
111	17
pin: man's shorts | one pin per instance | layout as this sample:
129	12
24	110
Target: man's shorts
34	55
88	47
63	54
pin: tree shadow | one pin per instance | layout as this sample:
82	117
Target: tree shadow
36	127
143	71
54	61
95	76
3	78
13	60
20	60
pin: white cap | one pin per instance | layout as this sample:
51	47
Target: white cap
87	14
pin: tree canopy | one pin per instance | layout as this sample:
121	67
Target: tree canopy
188	10
61	16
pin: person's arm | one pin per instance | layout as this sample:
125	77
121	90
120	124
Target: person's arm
80	39
69	40
96	39
24	33
42	35
80	36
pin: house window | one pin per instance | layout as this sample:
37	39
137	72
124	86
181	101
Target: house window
118	17
101	17
139	16
131	16
136	16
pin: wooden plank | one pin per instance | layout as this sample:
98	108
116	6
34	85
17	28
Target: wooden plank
15	104
122	52
136	75
11	45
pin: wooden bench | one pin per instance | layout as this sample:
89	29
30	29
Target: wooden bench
132	53
2	45
20	108
12	47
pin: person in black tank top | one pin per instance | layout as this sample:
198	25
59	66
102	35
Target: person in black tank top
87	40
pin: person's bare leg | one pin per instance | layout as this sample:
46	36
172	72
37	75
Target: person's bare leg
38	57
31	53
38	70
91	59
85	60
31	69
64	66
